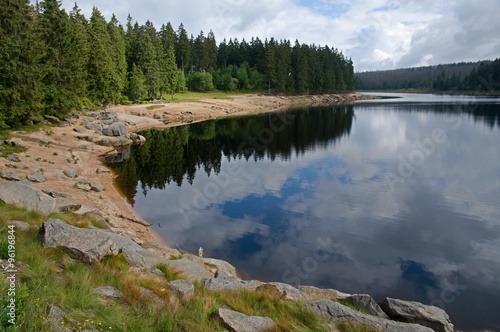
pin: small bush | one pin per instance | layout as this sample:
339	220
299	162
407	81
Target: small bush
201	82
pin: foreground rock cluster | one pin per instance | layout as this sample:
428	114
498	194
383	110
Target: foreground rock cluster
92	244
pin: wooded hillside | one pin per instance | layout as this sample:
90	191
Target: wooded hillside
52	62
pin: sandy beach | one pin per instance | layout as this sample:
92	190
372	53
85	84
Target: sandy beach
56	148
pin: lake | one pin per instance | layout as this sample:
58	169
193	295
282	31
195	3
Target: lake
396	197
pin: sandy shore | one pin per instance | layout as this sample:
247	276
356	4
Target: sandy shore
54	149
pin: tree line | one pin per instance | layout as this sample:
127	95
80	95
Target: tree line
52	62
464	76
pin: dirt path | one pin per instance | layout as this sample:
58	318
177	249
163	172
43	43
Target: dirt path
55	149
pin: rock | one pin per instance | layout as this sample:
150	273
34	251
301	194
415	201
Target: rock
335	312
11	176
94	126
313	293
57	319
55	194
23	195
70	172
222	284
365	303
83	186
102	170
84	209
137	139
65	206
21	225
13	158
37	177
181	289
94	186
79	130
192	270
150	296
168	253
220	266
281	291
116	129
51	119
91	245
114	141
415	312
87	138
108	291
237	322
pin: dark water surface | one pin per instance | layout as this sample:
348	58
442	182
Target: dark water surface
397	197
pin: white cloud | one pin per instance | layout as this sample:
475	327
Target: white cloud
377	34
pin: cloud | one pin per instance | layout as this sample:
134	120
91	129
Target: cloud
377	34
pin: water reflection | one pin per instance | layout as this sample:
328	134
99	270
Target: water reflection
316	202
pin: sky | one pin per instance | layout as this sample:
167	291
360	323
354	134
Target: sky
376	34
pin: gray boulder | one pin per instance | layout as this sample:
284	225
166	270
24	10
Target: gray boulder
93	244
11	176
114	141
415	312
13	158
36	177
70	172
237	322
335	312
181	289
281	291
313	293
94	186
21	225
365	303
79	130
23	195
222	284
57	319
221	266
116	129
51	119
108	291
55	194
192	270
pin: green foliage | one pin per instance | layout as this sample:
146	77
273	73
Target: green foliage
136	85
351	327
200	82
169	272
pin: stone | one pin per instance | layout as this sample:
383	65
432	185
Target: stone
335	312
37	177
313	293
116	129
11	176
93	244
58	319
237	322
13	158
365	303
23	195
433	317
192	270
55	194
83	186
21	225
51	119
102	170
114	141
181	289
64	206
137	139
150	296
223	284
79	130
84	210
108	291
281	291
168	253
220	266
94	126
70	172
87	138
94	186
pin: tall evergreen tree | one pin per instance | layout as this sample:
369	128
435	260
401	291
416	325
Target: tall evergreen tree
102	80
183	48
169	68
116	50
79	27
20	76
136	85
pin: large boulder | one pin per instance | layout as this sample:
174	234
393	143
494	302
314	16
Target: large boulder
313	293
415	312
23	195
181	289
336	313
281	291
365	303
116	129
237	322
191	270
231	283
91	244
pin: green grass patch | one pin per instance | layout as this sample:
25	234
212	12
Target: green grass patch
191	96
152	107
51	276
170	273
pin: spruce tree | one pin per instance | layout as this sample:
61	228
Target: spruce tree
136	88
116	49
183	48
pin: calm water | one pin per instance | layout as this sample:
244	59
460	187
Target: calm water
397	197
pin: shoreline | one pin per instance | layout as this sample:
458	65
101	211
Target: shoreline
55	149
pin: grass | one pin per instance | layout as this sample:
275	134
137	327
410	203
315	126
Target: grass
190	96
53	277
152	107
351	327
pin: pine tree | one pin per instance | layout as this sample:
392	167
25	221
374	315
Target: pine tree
149	58
182	48
136	88
20	52
102	80
169	68
270	66
80	43
116	50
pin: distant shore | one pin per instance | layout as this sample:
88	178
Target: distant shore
59	147
494	93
